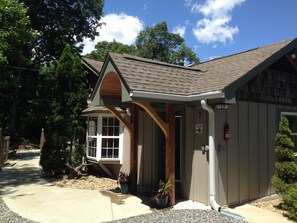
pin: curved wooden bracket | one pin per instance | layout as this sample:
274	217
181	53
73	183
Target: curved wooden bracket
152	113
129	126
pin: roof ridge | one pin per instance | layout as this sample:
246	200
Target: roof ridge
87	58
249	50
132	57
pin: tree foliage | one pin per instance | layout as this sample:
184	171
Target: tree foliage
102	48
286	168
155	43
65	123
63	22
16	38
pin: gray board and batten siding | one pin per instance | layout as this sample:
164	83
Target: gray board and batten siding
246	162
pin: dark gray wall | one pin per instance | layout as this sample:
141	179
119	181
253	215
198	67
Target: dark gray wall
246	162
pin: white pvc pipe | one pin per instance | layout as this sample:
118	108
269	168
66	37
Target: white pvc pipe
212	156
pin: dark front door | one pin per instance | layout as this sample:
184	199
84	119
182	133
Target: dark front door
178	143
161	153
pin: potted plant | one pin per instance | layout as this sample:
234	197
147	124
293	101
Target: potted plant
123	181
162	194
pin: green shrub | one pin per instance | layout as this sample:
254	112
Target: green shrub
52	159
78	154
279	185
286	168
290	202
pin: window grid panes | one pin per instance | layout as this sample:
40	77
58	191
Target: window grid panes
110	137
92	136
92	126
92	146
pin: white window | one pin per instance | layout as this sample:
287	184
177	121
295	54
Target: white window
292	118
92	136
105	138
110	137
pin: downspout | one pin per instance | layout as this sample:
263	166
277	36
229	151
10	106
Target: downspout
212	156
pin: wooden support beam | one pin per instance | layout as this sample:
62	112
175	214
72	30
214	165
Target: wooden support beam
133	130
152	113
134	150
170	150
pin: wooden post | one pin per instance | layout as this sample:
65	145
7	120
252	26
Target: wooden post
134	149
42	139
170	150
168	128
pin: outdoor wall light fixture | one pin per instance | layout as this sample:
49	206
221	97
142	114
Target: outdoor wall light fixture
293	56
128	111
222	106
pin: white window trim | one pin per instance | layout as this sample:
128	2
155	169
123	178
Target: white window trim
291	114
99	137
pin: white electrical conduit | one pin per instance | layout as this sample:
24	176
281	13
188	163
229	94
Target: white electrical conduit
212	156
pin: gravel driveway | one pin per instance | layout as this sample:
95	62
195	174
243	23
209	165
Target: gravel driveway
194	215
178	216
7	216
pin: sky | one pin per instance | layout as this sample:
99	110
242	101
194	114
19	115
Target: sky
211	28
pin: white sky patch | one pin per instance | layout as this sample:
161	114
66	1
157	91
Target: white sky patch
179	30
214	27
120	27
211	58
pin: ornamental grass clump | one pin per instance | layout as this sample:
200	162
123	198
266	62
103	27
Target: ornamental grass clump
163	190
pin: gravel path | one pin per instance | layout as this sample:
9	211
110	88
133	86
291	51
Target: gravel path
7	216
192	215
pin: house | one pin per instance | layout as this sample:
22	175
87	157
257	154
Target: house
209	128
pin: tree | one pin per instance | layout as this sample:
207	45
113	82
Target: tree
63	22
154	43
286	168
65	123
102	48
158	44
16	38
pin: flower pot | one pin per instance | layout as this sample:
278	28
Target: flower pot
124	188
162	202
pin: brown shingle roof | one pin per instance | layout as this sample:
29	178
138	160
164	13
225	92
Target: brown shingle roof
153	76
95	64
222	72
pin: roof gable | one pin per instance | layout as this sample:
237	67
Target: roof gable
230	72
213	79
94	65
154	76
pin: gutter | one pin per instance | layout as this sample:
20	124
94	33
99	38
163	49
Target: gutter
212	156
176	97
